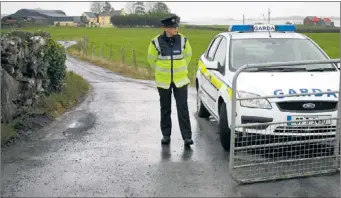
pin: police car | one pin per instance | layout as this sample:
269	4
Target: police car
249	44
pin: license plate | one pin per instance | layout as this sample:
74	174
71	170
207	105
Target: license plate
308	120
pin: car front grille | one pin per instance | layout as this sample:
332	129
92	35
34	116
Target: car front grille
299	106
305	129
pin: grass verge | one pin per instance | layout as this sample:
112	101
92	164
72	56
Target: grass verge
48	108
75	88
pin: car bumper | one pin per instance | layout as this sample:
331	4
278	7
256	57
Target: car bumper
274	122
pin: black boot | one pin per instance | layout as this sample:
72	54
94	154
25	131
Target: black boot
165	140
188	142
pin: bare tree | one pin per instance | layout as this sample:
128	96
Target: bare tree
129	7
106	6
96	7
161	7
149	6
139	7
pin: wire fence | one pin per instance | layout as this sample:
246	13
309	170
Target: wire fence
106	51
121	57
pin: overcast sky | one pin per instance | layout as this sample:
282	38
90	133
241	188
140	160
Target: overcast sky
200	10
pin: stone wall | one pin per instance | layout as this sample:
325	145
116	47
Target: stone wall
32	66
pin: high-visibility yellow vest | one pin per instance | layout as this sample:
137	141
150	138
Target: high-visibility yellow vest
170	62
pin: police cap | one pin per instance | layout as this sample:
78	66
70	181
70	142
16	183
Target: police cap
171	21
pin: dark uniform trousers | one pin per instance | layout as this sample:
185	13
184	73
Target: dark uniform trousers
180	95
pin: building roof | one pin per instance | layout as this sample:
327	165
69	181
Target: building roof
311	17
22	13
327	19
90	14
50	13
117	12
314	18
112	13
47	12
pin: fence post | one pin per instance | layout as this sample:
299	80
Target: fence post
150	73
83	44
93	50
134	58
86	45
110	53
101	53
80	45
122	54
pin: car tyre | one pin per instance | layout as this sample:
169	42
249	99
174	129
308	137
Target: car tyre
224	129
201	109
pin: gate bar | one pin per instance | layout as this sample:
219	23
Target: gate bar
283	161
338	130
283	143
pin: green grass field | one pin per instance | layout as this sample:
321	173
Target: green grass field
129	38
138	39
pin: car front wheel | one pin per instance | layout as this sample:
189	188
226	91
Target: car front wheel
224	129
201	109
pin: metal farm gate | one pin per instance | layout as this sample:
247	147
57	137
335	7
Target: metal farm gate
290	150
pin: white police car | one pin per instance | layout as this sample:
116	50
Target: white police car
248	44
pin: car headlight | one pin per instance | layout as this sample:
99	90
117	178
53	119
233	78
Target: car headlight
253	103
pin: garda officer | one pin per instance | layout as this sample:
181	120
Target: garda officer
169	55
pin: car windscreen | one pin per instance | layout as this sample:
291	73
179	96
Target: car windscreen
264	50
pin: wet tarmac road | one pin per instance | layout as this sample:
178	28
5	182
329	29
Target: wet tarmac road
110	146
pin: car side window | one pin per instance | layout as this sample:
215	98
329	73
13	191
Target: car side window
212	50
220	55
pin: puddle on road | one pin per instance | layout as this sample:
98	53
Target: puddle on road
81	126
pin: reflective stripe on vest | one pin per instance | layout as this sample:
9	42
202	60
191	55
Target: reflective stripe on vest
152	57
157	45
180	69
188	54
182	82
162	85
178	84
175	57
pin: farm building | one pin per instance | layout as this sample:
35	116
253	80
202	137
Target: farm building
327	21
104	17
311	20
317	21
77	21
43	17
90	16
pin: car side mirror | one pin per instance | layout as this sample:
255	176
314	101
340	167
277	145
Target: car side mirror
213	65
338	65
